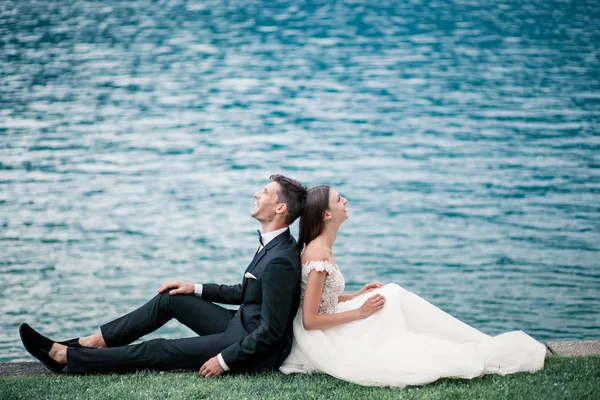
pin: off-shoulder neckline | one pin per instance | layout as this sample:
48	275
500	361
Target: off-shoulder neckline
321	261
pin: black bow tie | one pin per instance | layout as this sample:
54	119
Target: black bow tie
260	237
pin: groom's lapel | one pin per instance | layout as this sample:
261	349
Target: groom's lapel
278	239
256	259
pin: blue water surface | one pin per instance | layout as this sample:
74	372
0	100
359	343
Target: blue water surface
465	134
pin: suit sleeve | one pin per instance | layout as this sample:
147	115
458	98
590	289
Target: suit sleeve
226	294
279	285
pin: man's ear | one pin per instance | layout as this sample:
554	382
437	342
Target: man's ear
281	208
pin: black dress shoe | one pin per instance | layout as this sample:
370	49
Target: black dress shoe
39	346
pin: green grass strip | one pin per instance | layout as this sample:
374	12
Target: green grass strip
562	378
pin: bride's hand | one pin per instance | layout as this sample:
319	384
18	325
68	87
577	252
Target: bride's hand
372	305
368	287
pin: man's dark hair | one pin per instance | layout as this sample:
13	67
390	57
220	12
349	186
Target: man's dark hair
292	193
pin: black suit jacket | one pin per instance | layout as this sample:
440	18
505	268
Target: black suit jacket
261	330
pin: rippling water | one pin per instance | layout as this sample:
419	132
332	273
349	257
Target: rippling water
465	135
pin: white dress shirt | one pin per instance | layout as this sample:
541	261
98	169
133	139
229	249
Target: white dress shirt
266	238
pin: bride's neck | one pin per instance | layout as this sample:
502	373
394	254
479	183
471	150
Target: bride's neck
328	236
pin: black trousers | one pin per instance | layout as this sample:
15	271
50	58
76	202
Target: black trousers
205	318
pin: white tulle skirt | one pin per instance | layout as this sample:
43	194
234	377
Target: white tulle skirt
409	342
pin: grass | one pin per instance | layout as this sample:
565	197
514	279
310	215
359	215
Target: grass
562	378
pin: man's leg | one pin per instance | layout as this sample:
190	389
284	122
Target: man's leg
156	354
201	316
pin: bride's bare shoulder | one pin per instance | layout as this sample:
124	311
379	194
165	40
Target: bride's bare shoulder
315	253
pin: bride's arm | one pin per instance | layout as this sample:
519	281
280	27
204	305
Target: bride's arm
346	297
312	298
367	288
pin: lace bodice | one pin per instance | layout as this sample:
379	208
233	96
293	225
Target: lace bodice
334	284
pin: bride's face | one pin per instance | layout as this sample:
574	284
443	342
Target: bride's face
337	207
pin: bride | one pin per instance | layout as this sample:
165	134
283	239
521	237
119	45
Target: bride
384	335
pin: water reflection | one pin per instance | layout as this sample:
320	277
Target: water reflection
464	134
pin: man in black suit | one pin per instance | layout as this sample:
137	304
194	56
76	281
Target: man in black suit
256	337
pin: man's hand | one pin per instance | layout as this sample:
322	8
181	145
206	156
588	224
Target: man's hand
211	368
178	288
368	287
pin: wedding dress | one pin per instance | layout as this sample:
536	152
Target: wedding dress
408	342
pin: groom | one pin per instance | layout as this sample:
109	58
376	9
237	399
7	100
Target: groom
256	337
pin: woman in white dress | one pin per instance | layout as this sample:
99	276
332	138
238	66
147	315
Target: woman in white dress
384	335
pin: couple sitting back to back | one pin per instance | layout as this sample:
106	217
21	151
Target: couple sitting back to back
294	316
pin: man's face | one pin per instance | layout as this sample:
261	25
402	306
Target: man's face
266	202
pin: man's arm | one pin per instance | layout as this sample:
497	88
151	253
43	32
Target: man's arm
226	294
279	283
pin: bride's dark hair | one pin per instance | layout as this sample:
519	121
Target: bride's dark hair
312	223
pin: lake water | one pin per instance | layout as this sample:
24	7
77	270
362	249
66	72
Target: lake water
465	134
